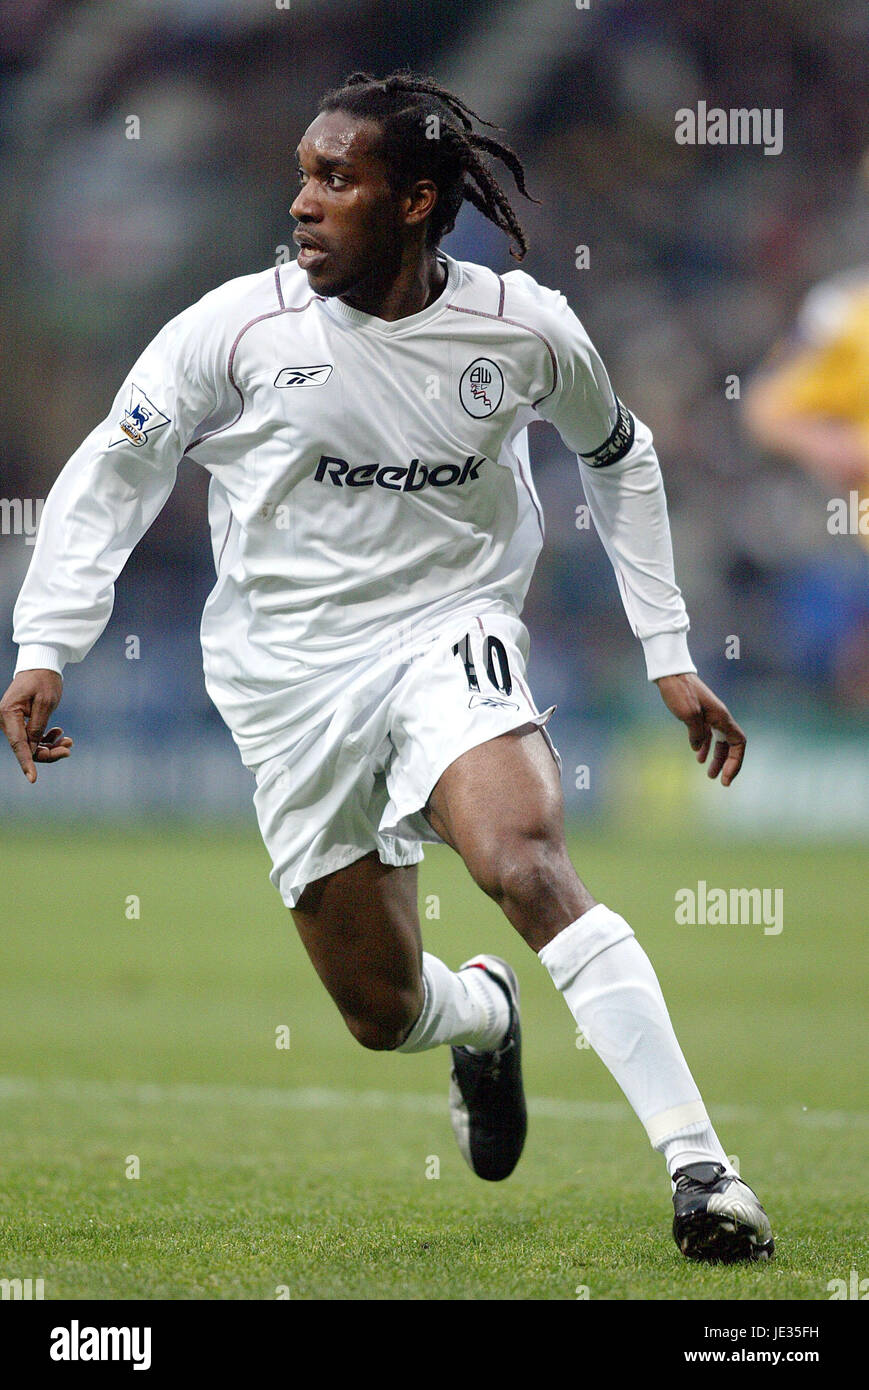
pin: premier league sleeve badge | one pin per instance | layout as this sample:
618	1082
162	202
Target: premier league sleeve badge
140	419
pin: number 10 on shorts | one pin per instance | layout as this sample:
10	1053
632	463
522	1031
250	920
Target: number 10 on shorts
495	661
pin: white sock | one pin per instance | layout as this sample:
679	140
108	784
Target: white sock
466	1008
613	993
683	1149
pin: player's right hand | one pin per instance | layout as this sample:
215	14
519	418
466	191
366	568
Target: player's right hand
25	710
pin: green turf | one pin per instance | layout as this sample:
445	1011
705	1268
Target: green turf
305	1169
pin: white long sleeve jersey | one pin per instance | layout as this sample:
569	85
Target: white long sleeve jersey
365	477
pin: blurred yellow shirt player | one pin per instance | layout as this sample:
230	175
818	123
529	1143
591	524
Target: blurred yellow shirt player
811	400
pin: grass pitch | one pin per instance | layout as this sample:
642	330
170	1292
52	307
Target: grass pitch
148	1044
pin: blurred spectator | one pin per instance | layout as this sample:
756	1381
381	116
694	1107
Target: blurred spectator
811	404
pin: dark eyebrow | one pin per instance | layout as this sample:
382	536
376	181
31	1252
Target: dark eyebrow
329	162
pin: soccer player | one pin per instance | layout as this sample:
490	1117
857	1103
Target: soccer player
362	414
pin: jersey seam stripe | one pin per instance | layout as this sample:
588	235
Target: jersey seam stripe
279	287
530	698
531	495
260	318
225	539
526	327
542	727
525	691
501	297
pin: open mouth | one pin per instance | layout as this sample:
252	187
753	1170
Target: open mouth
310	257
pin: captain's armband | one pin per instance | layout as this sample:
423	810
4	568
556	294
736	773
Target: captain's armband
617	444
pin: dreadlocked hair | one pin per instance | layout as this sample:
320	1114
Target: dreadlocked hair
446	149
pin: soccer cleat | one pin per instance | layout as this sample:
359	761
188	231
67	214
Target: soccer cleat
487	1102
718	1217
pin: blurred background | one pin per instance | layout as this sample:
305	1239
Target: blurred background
712	273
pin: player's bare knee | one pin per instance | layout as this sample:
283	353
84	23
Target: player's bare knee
531	864
385	1027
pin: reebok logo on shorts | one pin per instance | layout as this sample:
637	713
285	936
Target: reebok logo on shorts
395	478
493	700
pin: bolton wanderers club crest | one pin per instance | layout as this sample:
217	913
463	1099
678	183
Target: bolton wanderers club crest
139	420
481	388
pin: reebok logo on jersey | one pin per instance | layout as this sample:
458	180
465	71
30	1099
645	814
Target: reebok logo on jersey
140	419
395	478
304	376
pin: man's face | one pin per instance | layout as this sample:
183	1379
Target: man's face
350	220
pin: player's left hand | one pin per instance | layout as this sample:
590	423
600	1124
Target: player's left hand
697	706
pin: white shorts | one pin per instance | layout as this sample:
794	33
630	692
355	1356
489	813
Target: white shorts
367	741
